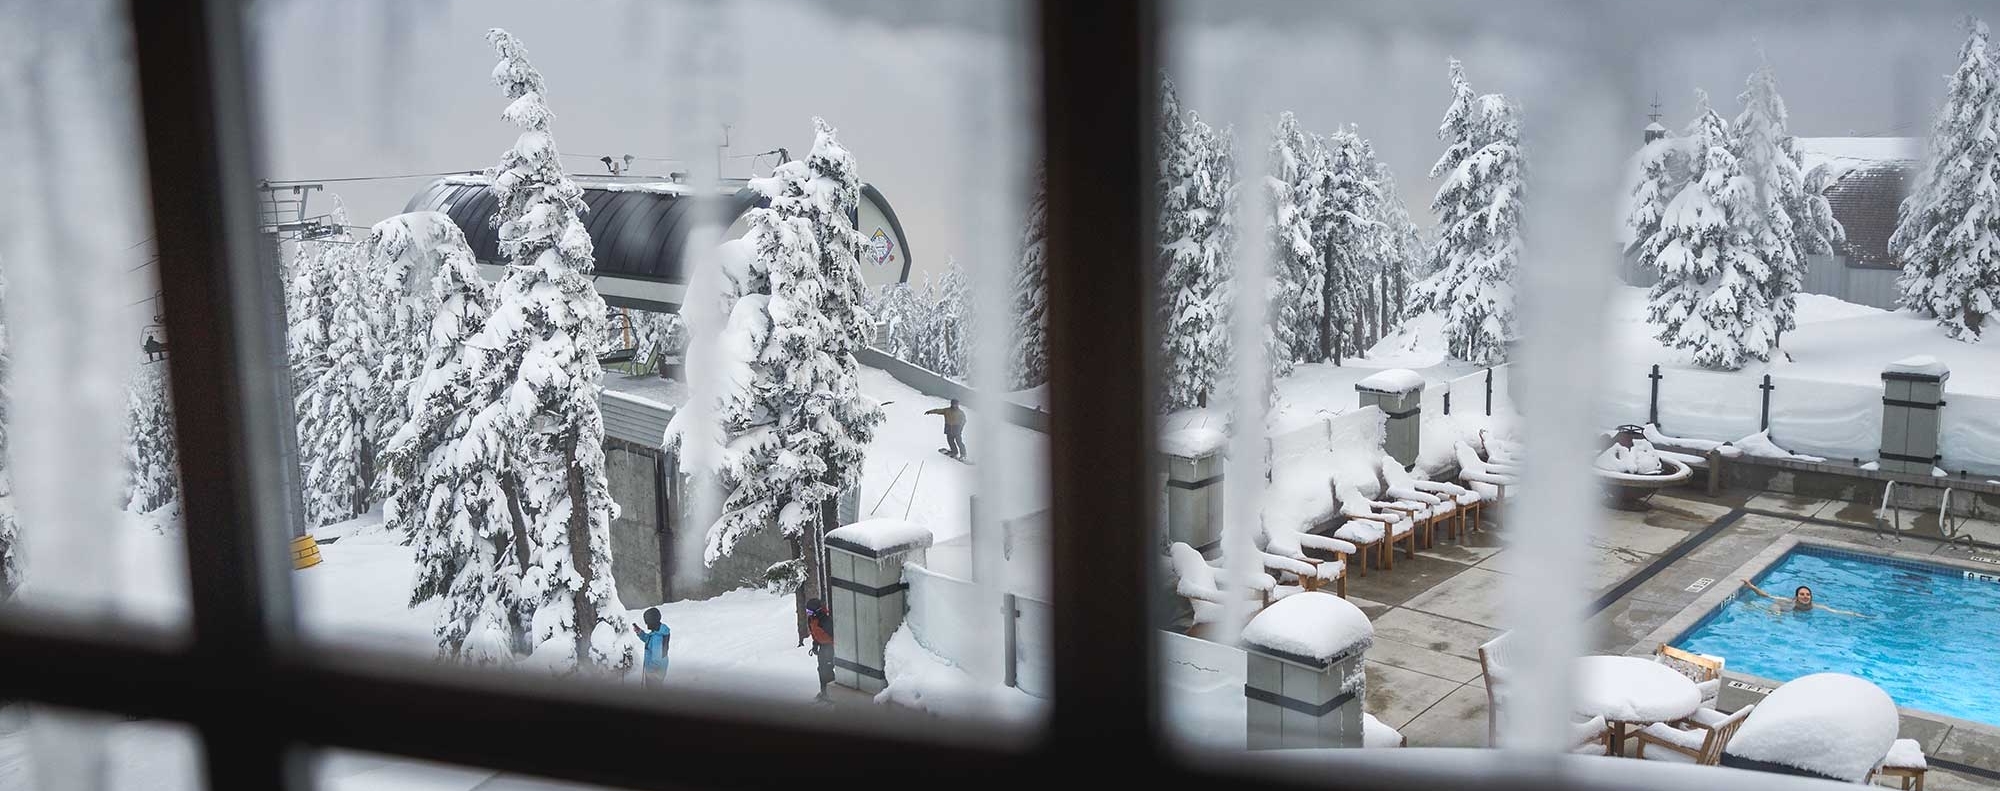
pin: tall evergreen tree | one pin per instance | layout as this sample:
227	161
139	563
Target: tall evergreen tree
1949	232
1405	248
445	464
1298	267
152	464
1662	172
401	257
1031	294
1711	298
1197	175
1791	220
792	424
1351	241
333	399
10	529
547	327
1478	205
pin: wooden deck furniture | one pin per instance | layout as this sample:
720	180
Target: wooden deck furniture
1704	670
1905	764
1491	669
1698	739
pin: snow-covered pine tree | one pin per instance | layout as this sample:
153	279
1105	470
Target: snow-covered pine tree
152	466
547	327
900	310
401	258
1197	199
657	336
1297	262
1406	248
445	464
1777	184
1710	299
10	529
1662	167
1478	205
335	449
1351	242
1031	294
952	321
1949	232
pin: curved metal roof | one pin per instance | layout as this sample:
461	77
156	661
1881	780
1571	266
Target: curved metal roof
637	233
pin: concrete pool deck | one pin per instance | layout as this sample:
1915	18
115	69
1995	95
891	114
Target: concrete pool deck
1648	570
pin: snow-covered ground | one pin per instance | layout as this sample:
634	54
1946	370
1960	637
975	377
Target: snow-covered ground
906	478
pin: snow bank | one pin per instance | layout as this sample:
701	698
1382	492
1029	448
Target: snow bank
1314	624
1393	380
1830	723
938	605
881	535
1969	434
921	680
1306	462
1374	733
1193	442
1761	446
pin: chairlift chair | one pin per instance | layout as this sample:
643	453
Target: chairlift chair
153	339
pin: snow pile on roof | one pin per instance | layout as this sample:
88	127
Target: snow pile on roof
1760	446
1828	723
655	187
926	682
1843	154
882	534
1393	380
1193	442
1920	365
1314	624
1633	690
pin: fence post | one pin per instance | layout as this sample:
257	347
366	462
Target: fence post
1653	403
1764	416
1447	397
1489	392
1010	613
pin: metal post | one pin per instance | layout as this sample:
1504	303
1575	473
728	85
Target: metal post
1653	402
1489	392
1764	416
1447	398
1010	614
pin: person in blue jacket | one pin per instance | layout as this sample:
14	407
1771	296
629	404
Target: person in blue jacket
656	635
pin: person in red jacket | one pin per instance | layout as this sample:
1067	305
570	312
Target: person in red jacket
819	623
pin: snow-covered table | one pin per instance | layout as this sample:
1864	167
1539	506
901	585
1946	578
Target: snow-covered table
1627	690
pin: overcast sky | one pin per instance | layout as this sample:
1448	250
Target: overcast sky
933	97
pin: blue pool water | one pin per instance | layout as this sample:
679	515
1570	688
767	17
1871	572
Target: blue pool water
1932	638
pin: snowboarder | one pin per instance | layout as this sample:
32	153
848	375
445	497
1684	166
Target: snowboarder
954	430
655	635
819	622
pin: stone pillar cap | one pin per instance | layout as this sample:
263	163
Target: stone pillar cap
877	538
1393	380
1311	628
1193	442
1920	366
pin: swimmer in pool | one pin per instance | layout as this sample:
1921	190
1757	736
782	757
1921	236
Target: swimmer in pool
1801	601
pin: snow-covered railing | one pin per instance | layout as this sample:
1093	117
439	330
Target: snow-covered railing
1481	392
937	617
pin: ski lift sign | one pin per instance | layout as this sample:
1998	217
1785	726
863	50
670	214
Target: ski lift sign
881	247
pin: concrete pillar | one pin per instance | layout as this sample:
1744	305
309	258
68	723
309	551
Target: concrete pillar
868	596
1399	392
1193	461
1912	394
1304	683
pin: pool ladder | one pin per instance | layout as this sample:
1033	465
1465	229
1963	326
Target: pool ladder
1953	527
1889	519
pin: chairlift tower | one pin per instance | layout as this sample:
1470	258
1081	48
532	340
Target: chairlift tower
282	217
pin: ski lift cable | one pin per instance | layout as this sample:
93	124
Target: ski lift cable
291	182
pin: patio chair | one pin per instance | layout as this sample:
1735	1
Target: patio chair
1702	669
1451	504
1374	523
1701	742
1203	586
1493	669
1905	764
1477	472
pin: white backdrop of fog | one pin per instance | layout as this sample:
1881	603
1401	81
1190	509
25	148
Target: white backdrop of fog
370	88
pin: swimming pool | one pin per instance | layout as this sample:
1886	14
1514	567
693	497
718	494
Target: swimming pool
1931	638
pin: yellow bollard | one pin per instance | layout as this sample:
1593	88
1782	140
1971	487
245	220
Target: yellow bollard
305	552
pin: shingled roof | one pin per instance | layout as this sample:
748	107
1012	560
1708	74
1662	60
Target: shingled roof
1866	181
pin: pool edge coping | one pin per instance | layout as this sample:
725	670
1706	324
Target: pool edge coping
1757	564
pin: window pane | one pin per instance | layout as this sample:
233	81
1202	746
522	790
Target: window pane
50	748
89	499
717	181
1471	243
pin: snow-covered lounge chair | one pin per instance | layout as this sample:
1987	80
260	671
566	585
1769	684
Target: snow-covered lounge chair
1450	503
1696	740
1905	763
1203	585
1480	475
1314	559
1374	523
1704	670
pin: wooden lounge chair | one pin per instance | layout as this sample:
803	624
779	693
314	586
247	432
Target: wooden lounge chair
1204	586
1475	472
1492	669
1905	763
1375	523
1704	670
1451	505
1700	741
